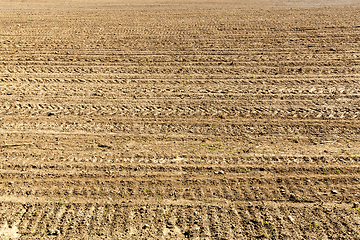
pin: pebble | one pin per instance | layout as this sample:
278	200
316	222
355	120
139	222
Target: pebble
291	218
334	192
356	205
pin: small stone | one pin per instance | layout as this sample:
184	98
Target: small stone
291	219
51	114
145	226
292	197
334	192
356	205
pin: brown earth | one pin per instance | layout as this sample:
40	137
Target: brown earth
167	4
171	124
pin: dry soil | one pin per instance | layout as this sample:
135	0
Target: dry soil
173	120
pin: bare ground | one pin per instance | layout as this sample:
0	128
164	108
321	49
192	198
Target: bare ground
146	5
172	124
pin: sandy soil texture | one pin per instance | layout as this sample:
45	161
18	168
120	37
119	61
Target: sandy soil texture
173	124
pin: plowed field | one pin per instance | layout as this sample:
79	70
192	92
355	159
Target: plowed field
171	124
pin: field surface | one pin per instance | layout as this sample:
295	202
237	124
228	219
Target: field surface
178	120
